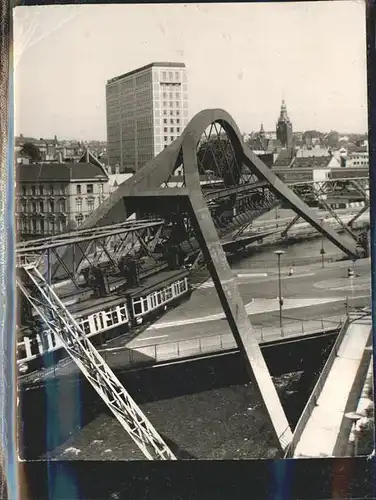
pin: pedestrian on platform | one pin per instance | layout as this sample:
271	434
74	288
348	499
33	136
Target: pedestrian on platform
291	272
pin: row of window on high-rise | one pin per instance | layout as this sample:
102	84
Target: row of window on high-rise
170	75
146	77
172	121
172	112
145	141
171	104
170	95
172	130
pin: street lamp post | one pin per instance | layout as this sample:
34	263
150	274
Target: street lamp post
279	253
322	251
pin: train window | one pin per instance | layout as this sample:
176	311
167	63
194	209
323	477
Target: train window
145	303
101	320
152	301
168	293
108	317
137	306
123	314
163	296
34	346
96	323
53	339
85	325
115	317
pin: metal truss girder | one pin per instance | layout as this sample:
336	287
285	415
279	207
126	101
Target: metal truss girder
305	212
329	182
85	235
232	303
333	213
290	225
76	259
356	216
360	190
242	188
94	368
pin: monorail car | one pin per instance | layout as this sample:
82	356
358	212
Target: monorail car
102	320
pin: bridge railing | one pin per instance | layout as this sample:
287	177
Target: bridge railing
213	344
312	401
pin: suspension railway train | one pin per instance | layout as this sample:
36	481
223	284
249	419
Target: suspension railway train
104	318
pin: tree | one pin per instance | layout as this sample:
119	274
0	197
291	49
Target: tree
31	151
332	139
311	134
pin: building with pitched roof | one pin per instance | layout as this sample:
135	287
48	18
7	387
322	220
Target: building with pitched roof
284	159
315	162
52	198
291	168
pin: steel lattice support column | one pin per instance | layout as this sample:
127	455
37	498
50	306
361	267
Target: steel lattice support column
232	303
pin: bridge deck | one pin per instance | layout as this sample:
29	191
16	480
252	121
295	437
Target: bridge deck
321	432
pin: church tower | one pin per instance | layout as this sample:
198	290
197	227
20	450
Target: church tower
262	131
284	127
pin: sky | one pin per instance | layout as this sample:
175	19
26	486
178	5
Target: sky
243	58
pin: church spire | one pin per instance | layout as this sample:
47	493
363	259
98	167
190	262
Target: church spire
284	127
284	116
262	131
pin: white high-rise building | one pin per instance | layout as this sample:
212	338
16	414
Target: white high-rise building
147	109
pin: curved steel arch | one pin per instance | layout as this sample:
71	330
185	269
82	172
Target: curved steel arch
228	292
157	170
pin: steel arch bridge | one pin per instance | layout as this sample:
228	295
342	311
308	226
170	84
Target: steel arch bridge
206	186
244	173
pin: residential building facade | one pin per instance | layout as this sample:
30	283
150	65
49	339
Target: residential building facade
358	157
53	198
147	109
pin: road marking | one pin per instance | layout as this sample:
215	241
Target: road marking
149	338
210	284
299	275
250	275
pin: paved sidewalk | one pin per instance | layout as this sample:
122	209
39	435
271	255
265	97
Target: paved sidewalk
257	306
321	432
